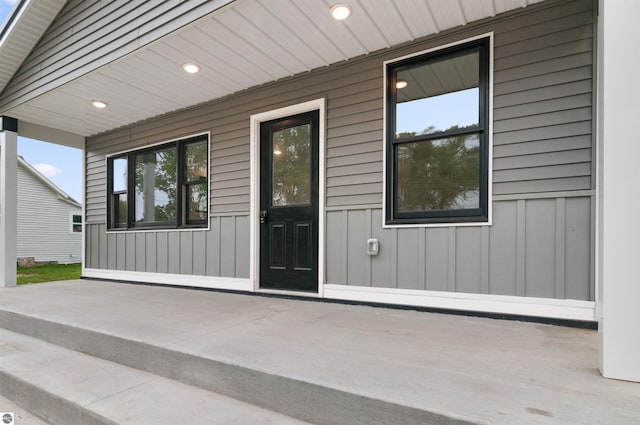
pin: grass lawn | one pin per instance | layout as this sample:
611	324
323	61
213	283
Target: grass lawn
48	273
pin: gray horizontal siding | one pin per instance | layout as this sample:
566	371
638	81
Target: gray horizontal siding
542	143
542	116
88	34
535	248
45	234
221	251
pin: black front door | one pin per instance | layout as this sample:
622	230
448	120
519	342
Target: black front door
289	203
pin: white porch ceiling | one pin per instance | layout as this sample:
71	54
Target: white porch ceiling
247	43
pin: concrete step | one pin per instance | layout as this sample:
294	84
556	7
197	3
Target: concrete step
65	387
327	363
20	416
252	383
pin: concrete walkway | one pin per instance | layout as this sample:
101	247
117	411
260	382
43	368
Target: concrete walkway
320	361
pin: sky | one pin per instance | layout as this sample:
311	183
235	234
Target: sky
60	164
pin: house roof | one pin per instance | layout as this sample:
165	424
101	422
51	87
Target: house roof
237	45
62	195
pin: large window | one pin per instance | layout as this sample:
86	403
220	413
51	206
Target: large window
437	115
164	186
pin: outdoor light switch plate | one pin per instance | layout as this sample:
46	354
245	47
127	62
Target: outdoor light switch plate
373	246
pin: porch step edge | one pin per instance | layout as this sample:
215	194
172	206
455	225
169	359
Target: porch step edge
292	397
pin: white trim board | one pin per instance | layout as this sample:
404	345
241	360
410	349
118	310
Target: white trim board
254	235
187	280
502	304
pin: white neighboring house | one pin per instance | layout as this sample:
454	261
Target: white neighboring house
49	220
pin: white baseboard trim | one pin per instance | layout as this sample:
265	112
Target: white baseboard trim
213	282
502	304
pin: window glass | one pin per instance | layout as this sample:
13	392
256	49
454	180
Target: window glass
196	202
168	186
196	161
155	181
439	174
76	223
119	210
437	153
119	174
291	184
438	96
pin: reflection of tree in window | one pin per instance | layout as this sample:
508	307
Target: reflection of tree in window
155	177
195	180
439	174
291	166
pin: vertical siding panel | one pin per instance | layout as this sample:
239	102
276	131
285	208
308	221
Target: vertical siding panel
227	246
451	260
213	248
151	252
162	247
357	244
104	255
141	248
199	253
560	250
121	251
393	269
408	259
367	267
381	263
242	247
112	256
344	248
186	252
130	257
520	247
422	257
437	240
334	248
484	260
468	254
577	249
504	254
93	232
540	248
173	244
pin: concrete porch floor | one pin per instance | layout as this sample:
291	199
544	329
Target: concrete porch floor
332	358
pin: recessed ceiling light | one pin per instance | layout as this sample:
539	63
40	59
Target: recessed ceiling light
340	11
100	104
191	68
400	84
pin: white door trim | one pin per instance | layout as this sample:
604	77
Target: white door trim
256	120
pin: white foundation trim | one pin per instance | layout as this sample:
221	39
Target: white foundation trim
213	282
503	304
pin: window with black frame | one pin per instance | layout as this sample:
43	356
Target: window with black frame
437	136
162	187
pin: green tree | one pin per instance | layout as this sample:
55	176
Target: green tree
437	174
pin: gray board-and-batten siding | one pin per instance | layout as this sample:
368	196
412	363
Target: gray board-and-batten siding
540	243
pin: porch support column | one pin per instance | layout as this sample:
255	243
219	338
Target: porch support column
618	189
8	200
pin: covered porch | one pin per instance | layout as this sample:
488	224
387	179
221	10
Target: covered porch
319	362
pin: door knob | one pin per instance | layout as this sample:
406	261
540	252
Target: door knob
263	216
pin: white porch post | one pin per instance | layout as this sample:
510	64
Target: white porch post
8	200
618	231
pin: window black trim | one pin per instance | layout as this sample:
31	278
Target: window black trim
472	215
181	221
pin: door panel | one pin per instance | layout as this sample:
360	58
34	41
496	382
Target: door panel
289	203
